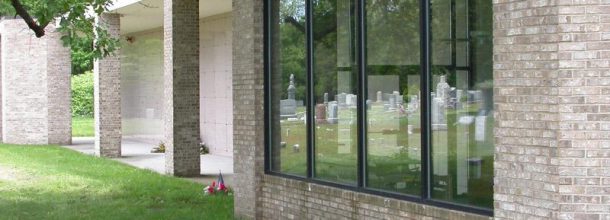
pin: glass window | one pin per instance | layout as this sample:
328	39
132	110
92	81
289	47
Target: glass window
383	93
393	107
288	69
335	99
462	102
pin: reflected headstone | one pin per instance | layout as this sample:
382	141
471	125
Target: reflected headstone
288	108
439	121
332	112
321	113
341	99
442	90
326	98
349	101
291	88
397	97
379	96
392	102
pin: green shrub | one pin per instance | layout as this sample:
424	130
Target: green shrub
82	95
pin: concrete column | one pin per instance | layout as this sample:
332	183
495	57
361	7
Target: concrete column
181	87
248	107
35	86
552	121
107	96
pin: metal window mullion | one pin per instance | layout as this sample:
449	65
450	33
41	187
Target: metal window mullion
362	91
310	91
267	105
425	100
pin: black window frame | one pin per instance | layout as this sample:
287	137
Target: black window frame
361	186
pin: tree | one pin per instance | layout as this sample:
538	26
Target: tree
76	21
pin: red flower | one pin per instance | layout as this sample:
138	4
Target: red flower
221	187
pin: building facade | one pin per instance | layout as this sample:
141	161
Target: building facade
546	72
370	109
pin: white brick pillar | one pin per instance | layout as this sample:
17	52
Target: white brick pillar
107	95
35	86
181	87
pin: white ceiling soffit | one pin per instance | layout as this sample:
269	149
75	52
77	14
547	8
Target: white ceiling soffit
141	15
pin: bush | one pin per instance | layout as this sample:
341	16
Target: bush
82	95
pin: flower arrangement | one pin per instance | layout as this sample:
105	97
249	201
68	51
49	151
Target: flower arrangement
219	188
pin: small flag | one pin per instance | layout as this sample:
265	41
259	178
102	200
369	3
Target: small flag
221	182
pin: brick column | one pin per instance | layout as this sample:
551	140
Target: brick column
107	95
248	106
551	78
181	83
58	90
35	86
583	136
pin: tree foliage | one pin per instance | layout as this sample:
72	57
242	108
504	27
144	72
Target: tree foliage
75	19
82	95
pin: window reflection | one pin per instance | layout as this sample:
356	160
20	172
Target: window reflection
335	91
393	102
460	96
462	102
288	84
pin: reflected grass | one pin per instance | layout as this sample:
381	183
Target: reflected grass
389	160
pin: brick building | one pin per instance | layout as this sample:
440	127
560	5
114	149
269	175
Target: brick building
354	109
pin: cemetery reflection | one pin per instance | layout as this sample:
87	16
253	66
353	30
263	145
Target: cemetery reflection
461	103
462	145
335	75
288	115
393	79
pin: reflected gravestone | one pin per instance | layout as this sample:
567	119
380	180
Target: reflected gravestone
442	90
392	102
379	96
349	100
398	98
332	112
341	99
326	98
291	88
288	107
439	105
321	113
439	121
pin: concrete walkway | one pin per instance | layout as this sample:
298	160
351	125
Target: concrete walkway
138	154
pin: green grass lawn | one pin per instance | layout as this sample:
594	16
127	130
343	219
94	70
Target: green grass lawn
82	127
49	182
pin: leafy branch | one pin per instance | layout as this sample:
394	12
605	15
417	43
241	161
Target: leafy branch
76	22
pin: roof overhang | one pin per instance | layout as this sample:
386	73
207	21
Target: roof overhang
142	15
